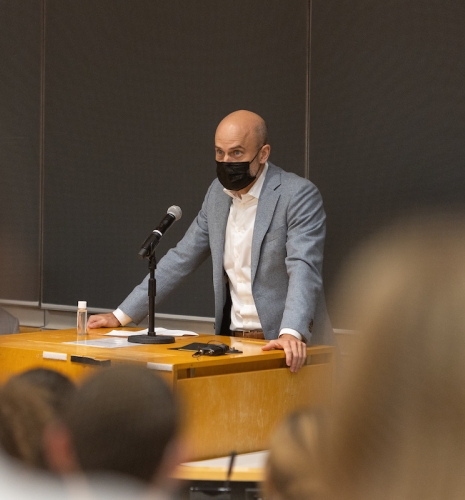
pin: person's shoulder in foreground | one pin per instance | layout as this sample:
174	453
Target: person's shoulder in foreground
8	323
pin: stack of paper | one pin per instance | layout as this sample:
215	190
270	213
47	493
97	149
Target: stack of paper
158	331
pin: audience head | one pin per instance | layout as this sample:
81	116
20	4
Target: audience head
399	421
55	387
29	402
24	415
292	470
122	420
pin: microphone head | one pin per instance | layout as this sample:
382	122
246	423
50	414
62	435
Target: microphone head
175	211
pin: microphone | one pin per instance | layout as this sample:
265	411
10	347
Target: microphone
173	213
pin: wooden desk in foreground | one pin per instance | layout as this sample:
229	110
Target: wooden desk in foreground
230	402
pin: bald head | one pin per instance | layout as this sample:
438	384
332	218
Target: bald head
244	124
242	137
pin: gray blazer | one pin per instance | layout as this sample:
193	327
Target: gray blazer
287	257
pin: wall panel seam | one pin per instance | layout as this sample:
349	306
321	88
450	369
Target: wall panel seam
307	90
41	147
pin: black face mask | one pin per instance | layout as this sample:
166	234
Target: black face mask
235	175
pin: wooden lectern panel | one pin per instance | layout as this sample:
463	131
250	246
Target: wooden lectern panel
230	402
238	411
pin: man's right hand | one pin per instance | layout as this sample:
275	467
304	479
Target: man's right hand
103	321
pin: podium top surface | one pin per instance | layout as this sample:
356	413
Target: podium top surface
162	354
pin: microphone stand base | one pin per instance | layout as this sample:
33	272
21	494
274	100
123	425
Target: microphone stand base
151	339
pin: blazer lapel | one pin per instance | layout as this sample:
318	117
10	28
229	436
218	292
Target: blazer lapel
269	197
217	230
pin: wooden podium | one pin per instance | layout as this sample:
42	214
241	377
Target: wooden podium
229	402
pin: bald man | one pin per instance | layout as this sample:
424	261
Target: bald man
264	229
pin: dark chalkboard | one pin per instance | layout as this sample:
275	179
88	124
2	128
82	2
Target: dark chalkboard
373	114
134	93
20	46
387	114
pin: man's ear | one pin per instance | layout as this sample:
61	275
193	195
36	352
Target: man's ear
59	450
264	153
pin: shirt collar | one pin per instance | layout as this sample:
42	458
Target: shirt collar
255	190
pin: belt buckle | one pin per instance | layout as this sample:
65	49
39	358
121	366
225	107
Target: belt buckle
252	333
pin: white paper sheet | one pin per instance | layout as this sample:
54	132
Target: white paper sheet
109	343
246	461
158	331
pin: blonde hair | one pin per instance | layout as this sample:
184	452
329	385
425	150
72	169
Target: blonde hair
293	467
399	422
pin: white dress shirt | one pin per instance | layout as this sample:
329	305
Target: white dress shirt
238	255
237	260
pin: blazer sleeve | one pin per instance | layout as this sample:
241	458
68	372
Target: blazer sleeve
304	261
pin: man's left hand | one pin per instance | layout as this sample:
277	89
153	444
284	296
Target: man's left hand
295	350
